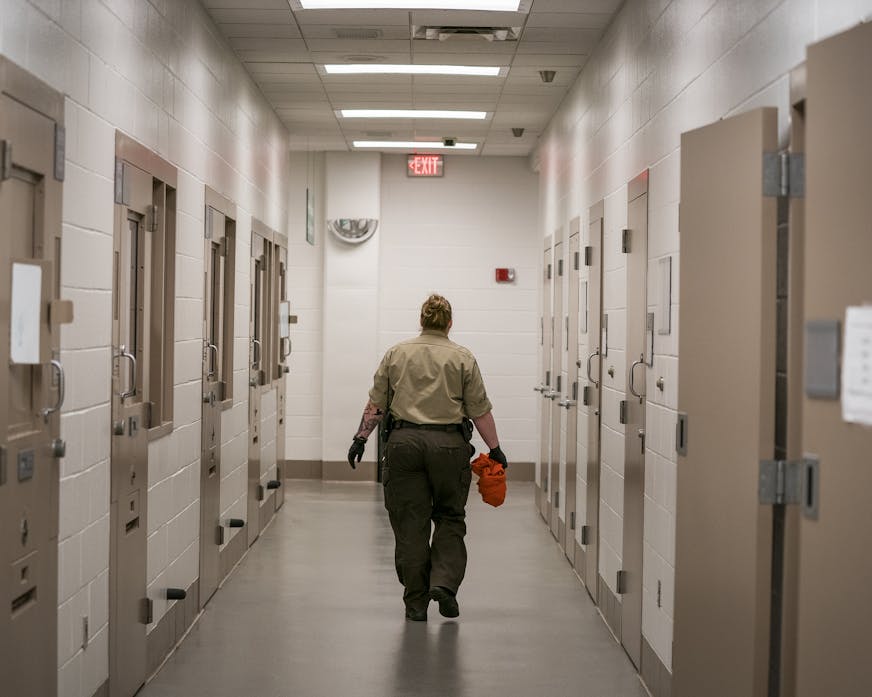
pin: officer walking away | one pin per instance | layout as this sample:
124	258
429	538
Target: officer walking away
428	389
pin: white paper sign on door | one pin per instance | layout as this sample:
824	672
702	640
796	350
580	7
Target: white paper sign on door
857	366
25	313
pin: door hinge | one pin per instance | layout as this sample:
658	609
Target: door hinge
787	482
5	160
548	274
572	520
545	485
219	535
260	492
626	236
559	383
575	391
622	411
588	256
147	611
149	410
2	465
585	534
621	582
548	378
122	184
784	174
151	212
585	395
60	152
681	434
576	260
560	267
557	499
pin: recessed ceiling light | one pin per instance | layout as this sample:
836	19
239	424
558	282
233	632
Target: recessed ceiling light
489	5
384	69
413	145
410	114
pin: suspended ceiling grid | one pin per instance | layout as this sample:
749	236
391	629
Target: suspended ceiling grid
283	48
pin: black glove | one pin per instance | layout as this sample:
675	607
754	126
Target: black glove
356	450
497	455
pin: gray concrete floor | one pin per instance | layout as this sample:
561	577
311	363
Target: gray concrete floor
315	610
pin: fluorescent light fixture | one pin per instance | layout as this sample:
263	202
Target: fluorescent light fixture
487	5
413	145
411	114
385	69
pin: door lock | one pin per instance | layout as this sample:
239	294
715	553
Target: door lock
58	448
118	428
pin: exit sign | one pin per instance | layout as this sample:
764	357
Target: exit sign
424	166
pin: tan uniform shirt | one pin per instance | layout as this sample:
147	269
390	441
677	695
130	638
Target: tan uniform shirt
432	380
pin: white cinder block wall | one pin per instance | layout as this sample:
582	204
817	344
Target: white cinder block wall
448	236
159	72
662	68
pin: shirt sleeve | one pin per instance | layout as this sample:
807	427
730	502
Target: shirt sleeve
378	395
475	401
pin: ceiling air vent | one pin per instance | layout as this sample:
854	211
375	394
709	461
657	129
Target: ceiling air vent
474	33
357	33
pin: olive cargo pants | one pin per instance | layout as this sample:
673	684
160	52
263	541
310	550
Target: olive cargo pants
426	477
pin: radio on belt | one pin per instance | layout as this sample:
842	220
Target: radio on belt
505	275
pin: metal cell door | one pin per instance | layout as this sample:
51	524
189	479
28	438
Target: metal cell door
31	380
284	351
131	323
570	400
726	421
544	388
258	376
635	246
217	377
835	567
588	495
556	394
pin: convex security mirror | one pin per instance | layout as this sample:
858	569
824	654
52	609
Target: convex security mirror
353	230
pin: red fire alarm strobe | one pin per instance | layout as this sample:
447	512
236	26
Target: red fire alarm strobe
505	275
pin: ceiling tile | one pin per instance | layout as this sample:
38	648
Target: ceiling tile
237	16
579	20
275	30
246	4
353	17
549	60
455	18
578	6
335	31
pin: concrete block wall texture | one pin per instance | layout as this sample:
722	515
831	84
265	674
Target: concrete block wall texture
159	72
436	237
664	67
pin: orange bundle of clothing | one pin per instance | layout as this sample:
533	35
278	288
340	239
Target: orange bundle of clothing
491	480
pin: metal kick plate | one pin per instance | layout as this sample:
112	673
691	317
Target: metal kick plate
822	359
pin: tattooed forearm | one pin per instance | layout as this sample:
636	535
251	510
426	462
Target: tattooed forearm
370	420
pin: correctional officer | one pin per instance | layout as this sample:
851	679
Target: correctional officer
430	388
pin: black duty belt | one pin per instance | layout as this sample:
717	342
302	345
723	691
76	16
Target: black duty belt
427	427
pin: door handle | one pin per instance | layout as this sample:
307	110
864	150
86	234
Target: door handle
540	388
641	361
566	403
123	353
256	361
214	349
47	411
589	359
551	394
287	353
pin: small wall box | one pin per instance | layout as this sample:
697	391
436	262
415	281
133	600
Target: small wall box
505	275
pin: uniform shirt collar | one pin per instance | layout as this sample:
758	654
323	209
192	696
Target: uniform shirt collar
434	332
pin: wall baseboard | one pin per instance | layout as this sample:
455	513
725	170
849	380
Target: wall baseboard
340	471
655	675
172	627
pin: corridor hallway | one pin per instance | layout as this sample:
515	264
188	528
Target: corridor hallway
315	610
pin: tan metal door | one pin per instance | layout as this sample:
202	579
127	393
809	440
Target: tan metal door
284	351
130	422
556	394
588	496
726	404
835	567
31	381
258	377
217	377
570	401
636	249
545	387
